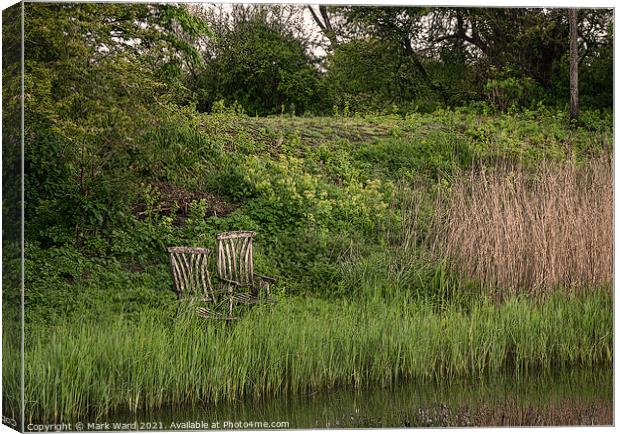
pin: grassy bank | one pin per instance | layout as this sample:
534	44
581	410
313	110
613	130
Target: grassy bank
344	209
303	345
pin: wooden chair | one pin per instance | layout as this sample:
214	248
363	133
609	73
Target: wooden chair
190	272
191	279
235	270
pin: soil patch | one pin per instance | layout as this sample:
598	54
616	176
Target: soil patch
177	200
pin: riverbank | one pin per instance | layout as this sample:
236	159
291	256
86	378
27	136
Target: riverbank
300	346
361	221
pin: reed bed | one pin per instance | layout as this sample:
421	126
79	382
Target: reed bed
299	346
531	232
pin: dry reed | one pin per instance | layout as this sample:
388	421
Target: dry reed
531	232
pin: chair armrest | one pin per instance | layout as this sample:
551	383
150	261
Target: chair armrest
232	282
265	278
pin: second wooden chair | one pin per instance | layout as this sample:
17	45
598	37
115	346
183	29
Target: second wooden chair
235	269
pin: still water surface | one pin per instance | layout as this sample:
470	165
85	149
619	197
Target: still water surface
577	397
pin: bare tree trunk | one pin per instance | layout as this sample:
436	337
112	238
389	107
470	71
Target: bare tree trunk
574	65
437	87
325	24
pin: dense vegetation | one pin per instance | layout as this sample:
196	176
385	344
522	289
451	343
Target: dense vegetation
129	151
303	346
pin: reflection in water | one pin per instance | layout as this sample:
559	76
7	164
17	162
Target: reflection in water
561	398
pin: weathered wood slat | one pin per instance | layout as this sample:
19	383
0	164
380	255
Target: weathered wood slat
190	272
180	271
236	234
175	274
251	263
235	267
205	312
185	271
228	265
232	242
206	285
220	262
243	255
245	298
202	250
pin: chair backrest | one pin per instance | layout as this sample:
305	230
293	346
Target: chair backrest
190	270
234	256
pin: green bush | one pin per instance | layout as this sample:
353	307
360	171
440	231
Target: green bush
505	93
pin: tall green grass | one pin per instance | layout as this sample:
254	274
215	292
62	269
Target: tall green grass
298	346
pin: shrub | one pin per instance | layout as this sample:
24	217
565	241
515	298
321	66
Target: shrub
507	92
291	197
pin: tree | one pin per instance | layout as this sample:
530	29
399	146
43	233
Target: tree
323	19
95	77
574	65
11	123
257	61
404	26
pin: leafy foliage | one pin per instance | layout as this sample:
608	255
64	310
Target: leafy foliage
319	202
94	77
260	66
403	59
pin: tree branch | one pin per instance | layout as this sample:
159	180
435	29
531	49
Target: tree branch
324	24
422	70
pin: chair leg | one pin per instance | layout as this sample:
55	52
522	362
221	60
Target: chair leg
230	301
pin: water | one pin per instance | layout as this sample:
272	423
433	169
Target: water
582	397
